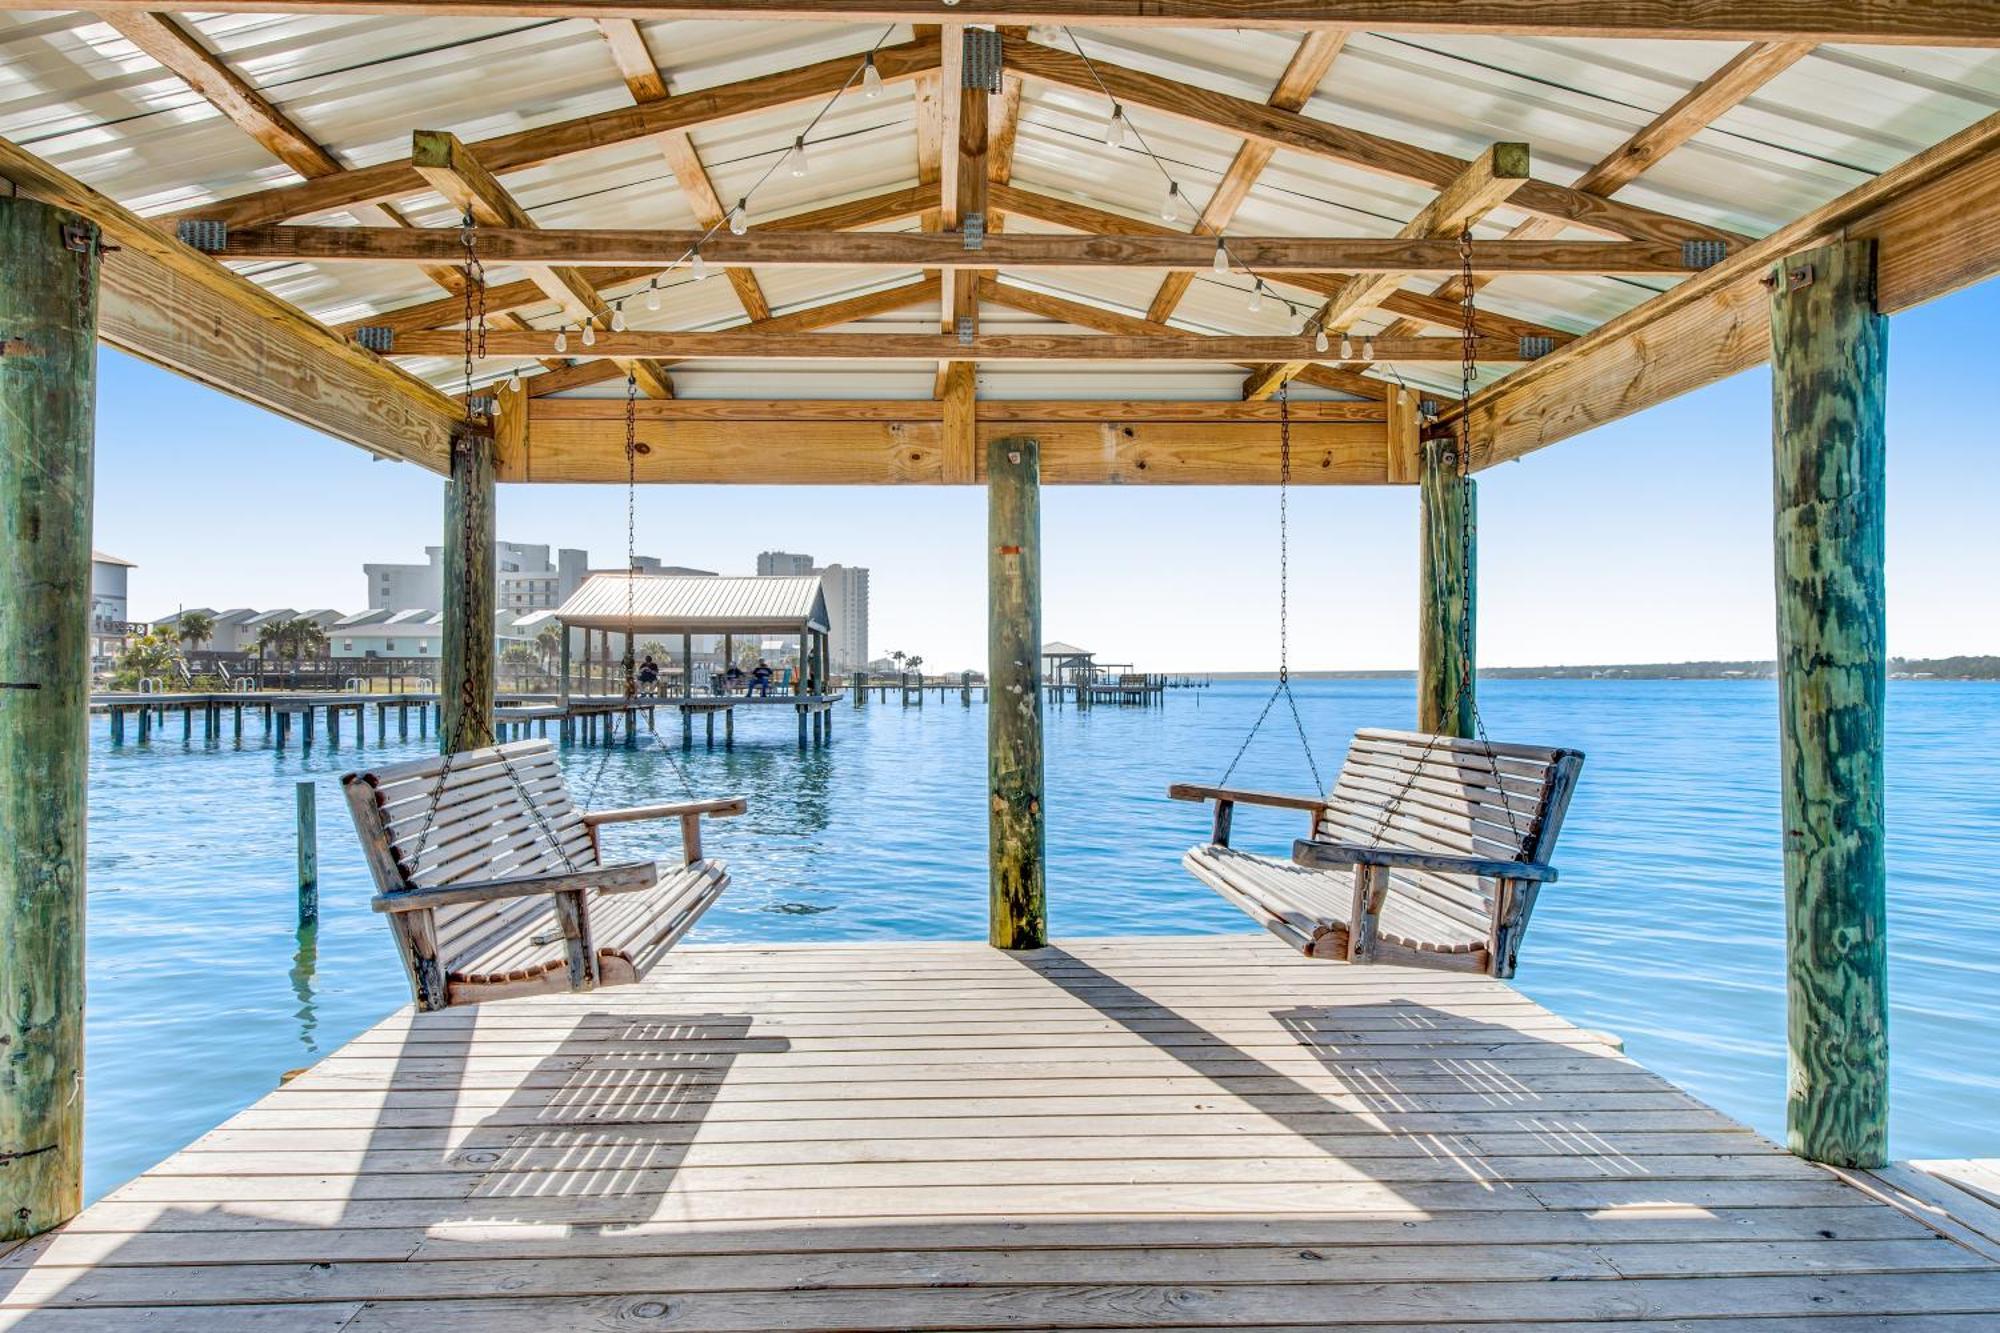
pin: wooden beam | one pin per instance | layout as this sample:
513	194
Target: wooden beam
1447	579
646	83
781	411
166	303
577	440
457	174
467	651
845	311
1115	322
1356	148
913	250
961	424
1489	181
547	143
1315	55
1935	220
760	345
1907	22
1017	914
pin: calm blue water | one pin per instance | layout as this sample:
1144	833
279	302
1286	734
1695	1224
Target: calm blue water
1665	928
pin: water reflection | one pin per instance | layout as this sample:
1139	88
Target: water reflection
305	960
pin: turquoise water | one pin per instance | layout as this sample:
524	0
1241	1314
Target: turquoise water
1665	928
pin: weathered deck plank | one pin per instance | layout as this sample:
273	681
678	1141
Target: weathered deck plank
1158	1134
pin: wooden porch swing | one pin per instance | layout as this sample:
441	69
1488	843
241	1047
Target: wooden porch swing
1429	849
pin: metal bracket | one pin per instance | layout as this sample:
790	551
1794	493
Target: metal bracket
1431	408
1781	279
967	329
1536	345
480	404
79	237
377	338
973	227
208	235
980	70
1703	254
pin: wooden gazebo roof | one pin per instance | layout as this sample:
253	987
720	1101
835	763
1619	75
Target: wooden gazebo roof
955	263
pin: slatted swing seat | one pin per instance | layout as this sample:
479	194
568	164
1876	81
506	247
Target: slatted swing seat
493	883
1429	852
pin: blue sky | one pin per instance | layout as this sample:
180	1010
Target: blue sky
1646	540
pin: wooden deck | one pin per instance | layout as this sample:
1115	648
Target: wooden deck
1159	1134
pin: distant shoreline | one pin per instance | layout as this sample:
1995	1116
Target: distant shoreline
1939	668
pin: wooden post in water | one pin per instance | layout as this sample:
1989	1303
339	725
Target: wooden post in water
1829	353
48	393
465	685
1446	661
1018	915
308	833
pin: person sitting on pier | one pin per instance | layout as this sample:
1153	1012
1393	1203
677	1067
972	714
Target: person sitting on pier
760	678
649	676
732	679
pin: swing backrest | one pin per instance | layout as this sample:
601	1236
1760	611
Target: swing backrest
1445	794
483	829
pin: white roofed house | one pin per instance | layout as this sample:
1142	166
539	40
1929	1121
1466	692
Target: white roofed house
109	618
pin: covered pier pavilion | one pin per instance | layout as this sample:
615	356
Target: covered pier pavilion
1053	242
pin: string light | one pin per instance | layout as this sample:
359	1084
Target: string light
1114	133
590	333
1319	340
1346	348
739	218
1170	202
562	338
871	78
514	381
1221	256
1257	296
699	265
653	288
798	158
618	317
1367	349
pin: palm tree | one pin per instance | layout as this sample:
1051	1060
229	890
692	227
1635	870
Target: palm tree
194	628
897	658
548	640
305	636
916	664
271	635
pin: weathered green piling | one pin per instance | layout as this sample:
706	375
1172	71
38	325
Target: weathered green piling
1829	355
1446	661
308	844
1018	917
48	373
465	687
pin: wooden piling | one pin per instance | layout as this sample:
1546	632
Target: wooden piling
1017	913
308	842
1829	351
48	390
1447	581
465	685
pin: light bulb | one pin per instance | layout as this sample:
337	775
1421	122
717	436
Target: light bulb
618	318
1346	348
799	156
1221	256
493	407
700	266
562	338
1319	340
514	381
1170	203
1257	296
653	291
739	218
589	333
1114	133
871	78
1367	349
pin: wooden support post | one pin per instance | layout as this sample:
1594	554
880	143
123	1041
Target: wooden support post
1018	917
117	726
1446	667
48	394
687	666
308	838
465	685
1829	350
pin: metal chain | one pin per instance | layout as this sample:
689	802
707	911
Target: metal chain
631	526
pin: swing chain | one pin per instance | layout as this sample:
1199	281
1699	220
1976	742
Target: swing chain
631	526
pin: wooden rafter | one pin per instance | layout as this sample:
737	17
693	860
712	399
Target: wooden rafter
622	246
1356	148
1488	182
1936	222
646	83
168	304
458	175
548	143
1908	22
1303	74
761	345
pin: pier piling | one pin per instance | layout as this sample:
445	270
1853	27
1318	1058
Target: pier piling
308	842
1017	913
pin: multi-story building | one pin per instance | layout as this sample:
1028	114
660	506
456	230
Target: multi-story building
846	589
526	578
108	623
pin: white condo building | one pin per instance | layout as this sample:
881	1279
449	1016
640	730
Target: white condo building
526	578
846	588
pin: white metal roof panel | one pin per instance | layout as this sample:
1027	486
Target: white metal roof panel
672	603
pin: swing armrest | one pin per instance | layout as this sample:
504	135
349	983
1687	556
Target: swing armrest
1195	791
1331	855
625	878
720	807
